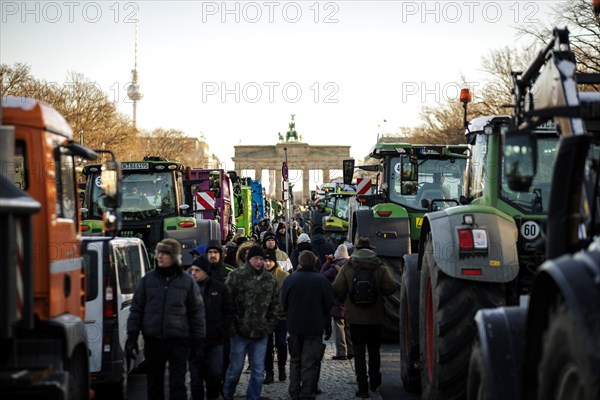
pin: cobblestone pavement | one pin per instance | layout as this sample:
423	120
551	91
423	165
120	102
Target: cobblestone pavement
337	381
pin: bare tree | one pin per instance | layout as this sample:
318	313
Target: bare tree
167	143
88	110
583	25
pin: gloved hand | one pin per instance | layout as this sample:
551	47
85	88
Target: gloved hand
327	332
131	347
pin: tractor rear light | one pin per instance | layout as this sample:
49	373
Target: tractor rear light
465	239
187	224
480	241
471	271
85	228
383	213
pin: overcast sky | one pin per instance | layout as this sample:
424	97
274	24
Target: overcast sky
235	71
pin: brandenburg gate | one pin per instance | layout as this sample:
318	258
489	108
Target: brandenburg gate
300	156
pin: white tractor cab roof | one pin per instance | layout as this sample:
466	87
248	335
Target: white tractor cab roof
478	124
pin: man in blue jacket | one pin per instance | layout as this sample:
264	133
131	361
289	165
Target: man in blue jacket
307	297
167	308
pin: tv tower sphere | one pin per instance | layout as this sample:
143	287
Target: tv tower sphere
133	92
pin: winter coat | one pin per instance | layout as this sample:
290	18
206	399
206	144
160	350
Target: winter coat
218	311
283	260
307	297
256	301
280	276
220	270
342	285
330	270
167	307
322	246
300	248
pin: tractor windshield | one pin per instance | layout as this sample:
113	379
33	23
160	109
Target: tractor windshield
145	195
538	197
414	179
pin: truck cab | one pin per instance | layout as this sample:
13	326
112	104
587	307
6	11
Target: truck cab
44	343
153	206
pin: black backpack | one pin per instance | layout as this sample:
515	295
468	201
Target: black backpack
364	287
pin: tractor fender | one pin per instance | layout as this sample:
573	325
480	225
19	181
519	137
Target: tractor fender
389	235
500	263
205	230
501	334
576	280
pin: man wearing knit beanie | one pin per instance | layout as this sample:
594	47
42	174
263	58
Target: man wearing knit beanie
270	242
168	336
214	254
255	318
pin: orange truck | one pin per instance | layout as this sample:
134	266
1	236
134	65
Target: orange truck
43	341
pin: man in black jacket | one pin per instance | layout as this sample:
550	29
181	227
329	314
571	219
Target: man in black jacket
321	244
214	254
307	297
218	310
168	309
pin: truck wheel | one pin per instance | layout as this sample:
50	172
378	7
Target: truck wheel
566	369
446	327
476	388
409	344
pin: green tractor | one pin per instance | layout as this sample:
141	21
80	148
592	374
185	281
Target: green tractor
407	184
335	223
479	254
152	206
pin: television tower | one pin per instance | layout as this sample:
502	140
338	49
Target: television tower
133	90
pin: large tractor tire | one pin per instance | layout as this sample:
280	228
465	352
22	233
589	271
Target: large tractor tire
476	386
410	370
446	328
567	370
391	322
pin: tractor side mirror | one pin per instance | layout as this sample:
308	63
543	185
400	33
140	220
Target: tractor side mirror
110	179
348	170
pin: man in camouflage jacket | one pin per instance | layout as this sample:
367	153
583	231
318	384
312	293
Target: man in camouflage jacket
256	302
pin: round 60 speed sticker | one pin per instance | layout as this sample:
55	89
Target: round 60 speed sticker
530	230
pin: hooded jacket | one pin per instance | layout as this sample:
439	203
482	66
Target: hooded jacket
300	248
342	285
322	246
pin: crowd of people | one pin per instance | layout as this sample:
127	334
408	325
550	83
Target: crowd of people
258	299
